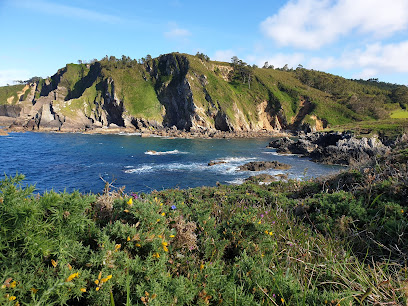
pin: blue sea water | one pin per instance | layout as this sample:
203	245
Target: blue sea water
78	162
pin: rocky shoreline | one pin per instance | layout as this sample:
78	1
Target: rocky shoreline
147	132
332	147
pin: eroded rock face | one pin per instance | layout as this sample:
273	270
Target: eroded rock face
10	110
332	148
264	165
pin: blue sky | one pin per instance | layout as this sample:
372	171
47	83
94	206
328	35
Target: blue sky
351	38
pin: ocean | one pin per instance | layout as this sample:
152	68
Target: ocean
54	161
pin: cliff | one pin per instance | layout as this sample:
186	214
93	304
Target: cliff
184	92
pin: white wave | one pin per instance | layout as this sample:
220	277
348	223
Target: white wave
142	169
128	167
236	159
151	152
279	154
238	181
130	134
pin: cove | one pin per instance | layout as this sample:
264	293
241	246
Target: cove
78	161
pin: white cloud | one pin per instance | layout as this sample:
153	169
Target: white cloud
311	24
176	32
10	75
224	55
68	11
389	58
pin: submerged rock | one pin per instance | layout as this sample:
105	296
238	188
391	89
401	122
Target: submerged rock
264	165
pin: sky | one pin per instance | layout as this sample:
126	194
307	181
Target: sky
351	38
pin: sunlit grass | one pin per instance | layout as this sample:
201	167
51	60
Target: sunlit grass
399	114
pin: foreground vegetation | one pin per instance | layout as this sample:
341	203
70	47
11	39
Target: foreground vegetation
336	241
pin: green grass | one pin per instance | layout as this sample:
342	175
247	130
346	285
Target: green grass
294	243
10	91
138	95
399	114
388	129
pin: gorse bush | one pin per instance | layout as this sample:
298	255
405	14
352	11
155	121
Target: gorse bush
288	243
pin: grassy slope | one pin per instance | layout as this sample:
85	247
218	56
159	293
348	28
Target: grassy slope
242	245
10	91
138	95
284	86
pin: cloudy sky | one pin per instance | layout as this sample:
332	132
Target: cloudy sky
351	38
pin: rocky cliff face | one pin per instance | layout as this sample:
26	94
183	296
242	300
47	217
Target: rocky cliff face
111	94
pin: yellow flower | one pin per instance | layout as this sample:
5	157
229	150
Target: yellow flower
270	233
164	243
130	202
128	238
259	222
126	210
266	232
97	288
158	220
72	276
97	281
69	267
54	263
83	289
13	284
163	214
109	277
283	300
402	211
138	245
160	236
156	255
201	267
165	249
34	290
171	236
12	298
117	246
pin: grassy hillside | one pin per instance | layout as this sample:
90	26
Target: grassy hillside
10	93
237	90
338	241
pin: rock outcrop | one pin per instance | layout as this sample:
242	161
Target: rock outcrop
264	165
331	147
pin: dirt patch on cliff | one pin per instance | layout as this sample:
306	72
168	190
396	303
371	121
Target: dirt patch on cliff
264	118
318	123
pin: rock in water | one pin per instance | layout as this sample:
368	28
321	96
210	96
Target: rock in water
264	165
216	162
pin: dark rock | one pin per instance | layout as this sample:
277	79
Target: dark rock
216	162
264	165
332	147
10	110
282	144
